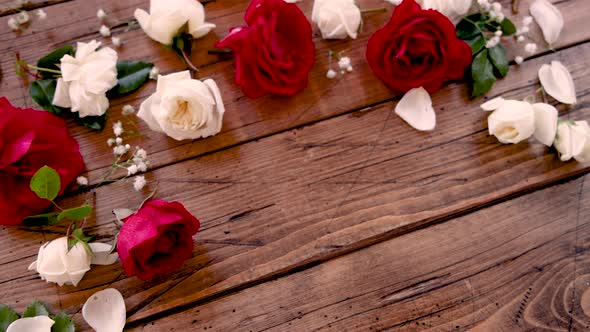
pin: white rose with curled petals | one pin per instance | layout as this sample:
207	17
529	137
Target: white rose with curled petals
184	108
56	264
86	78
167	17
455	10
511	121
573	141
337	19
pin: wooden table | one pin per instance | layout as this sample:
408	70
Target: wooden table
325	211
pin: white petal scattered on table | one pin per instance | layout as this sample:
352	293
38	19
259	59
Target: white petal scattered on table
415	108
105	311
558	82
549	18
31	324
102	254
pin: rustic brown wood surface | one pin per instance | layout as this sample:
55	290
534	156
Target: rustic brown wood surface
366	223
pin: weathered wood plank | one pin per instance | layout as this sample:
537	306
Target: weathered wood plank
518	266
245	119
311	194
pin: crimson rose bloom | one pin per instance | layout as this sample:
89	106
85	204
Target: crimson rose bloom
417	48
29	140
157	239
275	52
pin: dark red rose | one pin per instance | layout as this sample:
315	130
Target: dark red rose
417	48
275	52
29	140
157	239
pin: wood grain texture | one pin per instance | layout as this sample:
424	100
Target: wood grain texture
518	266
245	119
308	195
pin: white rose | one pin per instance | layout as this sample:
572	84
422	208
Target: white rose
184	108
167	17
56	264
86	78
573	141
337	19
512	121
455	10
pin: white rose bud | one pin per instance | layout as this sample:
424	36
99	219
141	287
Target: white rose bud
86	78
512	122
337	19
184	108
573	141
56	264
166	18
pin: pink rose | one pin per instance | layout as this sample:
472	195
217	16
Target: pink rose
29	140
157	239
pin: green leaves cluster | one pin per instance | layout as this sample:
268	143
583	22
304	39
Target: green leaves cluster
46	184
62	322
131	75
489	64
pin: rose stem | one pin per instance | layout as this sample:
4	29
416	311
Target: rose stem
514	6
188	61
220	51
364	11
43	69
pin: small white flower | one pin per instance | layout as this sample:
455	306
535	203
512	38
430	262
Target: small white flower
498	33
118	128
530	48
349	69
128	110
139	183
119	150
101	14
13	24
331	74
523	30
141	154
518	59
127	147
558	82
110	141
492	42
82	181
344	62
337	19
22	17
117	41
520	39
527	20
497	7
104	31
154	72
500	17
41	14
141	166
549	18
119	141
131	170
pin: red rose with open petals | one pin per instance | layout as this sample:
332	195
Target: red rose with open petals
157	239
417	48
29	140
275	52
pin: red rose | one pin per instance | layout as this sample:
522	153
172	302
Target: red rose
29	140
275	52
417	48
157	239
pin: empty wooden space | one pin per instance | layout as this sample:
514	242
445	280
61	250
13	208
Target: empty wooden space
326	211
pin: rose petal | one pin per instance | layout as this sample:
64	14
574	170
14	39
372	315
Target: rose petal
415	108
105	311
545	123
102	254
549	18
493	104
558	82
31	324
61	97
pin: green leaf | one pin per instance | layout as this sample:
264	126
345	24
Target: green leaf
467	30
508	28
46	219
51	60
477	43
79	237
77	213
92	122
46	183
499	59
36	309
42	93
63	323
7	316
131	75
482	74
